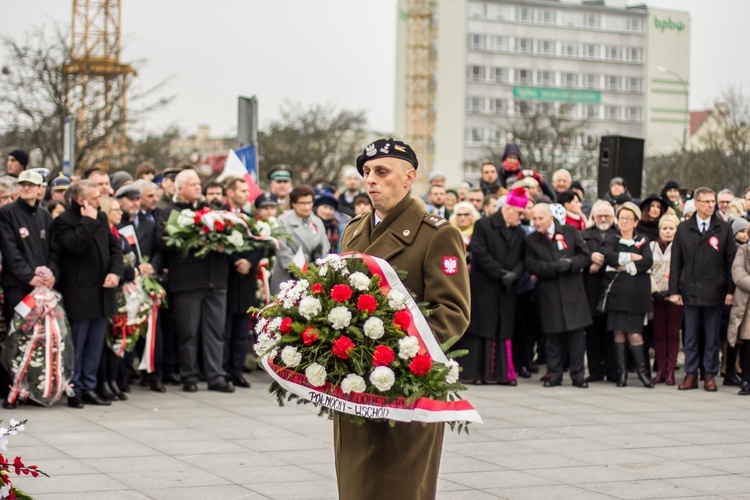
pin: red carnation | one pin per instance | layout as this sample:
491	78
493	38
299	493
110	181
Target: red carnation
383	356
367	303
420	365
197	218
342	347
401	319
317	288
286	325
205	229
218	225
229	223
341	293
310	335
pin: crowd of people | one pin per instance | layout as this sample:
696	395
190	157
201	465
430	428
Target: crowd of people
581	288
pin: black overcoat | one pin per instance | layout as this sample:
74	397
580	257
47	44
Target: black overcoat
630	294
561	297
86	252
496	249
594	283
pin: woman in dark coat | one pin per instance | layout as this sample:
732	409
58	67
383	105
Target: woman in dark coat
628	258
497	262
652	208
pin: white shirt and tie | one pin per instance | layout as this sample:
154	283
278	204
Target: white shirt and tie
703	224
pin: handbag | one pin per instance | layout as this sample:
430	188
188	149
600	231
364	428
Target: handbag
601	306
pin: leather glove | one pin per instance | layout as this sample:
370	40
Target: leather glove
564	265
508	279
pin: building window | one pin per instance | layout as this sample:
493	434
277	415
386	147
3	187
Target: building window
633	54
545	108
524	14
476	73
570	49
615	23
500	12
475	104
523	45
545	47
523	76
613	53
572	19
497	136
500	75
570	80
498	106
591	111
593	21
545	78
612	112
590	51
634	84
499	43
635	24
476	41
477	9
546	16
591	81
613	82
521	107
474	135
633	113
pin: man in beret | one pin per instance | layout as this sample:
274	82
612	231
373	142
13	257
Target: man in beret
280	185
18	160
375	460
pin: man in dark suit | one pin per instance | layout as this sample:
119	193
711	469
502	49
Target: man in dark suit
91	266
700	278
557	256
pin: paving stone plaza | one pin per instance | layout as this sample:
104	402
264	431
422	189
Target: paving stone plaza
536	443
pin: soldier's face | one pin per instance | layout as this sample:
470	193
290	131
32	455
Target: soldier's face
388	181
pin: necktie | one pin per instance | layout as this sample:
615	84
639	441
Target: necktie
703	228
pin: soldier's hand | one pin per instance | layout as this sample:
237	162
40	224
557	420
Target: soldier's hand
88	210
111	280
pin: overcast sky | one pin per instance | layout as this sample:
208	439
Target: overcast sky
320	51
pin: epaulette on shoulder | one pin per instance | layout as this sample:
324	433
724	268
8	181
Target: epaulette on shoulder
357	219
434	220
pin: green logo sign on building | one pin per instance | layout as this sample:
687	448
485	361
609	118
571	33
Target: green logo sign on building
560	95
667	24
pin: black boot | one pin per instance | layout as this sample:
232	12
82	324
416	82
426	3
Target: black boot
639	355
622	364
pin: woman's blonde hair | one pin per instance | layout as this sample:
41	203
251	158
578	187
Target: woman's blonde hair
669	218
464	205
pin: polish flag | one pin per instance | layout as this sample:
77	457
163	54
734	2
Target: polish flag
128	232
243	163
299	260
25	306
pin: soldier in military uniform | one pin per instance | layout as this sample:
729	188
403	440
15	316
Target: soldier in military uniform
375	460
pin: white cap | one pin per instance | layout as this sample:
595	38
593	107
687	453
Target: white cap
32	177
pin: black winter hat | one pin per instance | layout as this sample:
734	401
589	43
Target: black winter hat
387	148
20	155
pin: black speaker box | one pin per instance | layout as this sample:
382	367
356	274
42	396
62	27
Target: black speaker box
620	156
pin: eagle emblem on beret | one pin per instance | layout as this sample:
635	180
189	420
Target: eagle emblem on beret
370	150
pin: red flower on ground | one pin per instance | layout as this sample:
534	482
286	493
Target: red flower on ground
367	303
341	293
401	319
205	229
342	347
286	325
420	365
310	335
218	225
317	288
383	356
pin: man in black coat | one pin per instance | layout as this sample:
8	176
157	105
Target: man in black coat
557	256
599	341
497	262
91	266
198	294
24	243
700	278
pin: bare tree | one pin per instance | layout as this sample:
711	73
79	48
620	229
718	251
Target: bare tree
316	142
34	101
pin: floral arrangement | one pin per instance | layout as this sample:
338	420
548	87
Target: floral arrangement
208	230
347	336
7	490
137	302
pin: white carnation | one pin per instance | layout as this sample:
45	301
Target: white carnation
382	378
360	281
373	328
340	317
323	271
235	238
452	376
396	299
261	326
274	325
316	375
353	383
186	218
309	307
264	229
266	344
408	347
291	356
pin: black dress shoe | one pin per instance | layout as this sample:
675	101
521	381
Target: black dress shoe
534	368
117	392
479	381
105	392
581	383
733	379
552	382
92	398
190	387
594	378
524	372
225	387
511	383
75	401
7	405
745	391
157	387
241	382
172	379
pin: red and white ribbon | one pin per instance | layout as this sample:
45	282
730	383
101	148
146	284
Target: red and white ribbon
149	349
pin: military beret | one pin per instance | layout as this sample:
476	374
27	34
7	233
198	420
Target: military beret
266	200
383	148
128	191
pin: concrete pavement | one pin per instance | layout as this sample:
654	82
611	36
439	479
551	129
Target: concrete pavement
537	443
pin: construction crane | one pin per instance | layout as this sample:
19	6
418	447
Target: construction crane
98	82
420	16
